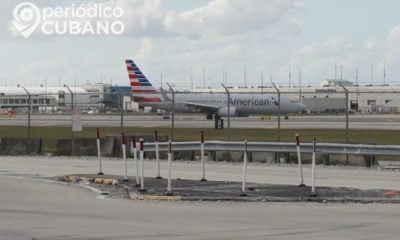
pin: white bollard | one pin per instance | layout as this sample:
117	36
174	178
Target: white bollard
313	193
299	161
157	155
142	189
134	154
244	170
123	141
203	169
99	152
169	187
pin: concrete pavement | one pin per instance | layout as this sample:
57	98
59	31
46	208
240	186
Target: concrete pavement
329	176
36	209
48	211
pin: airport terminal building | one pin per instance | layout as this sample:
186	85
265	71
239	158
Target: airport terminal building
52	99
328	97
42	98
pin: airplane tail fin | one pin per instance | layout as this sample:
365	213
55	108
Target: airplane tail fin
142	90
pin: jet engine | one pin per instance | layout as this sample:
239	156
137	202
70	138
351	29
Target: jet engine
223	112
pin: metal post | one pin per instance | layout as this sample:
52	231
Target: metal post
358	104
157	155
28	149
122	111
299	161
173	112
142	189
203	169
313	193
169	187
279	111
228	93
300	98
135	159
384	73
73	112
99	151
244	170
347	118
204	78
262	82
123	141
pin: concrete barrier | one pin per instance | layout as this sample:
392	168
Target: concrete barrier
85	147
264	157
354	160
16	146
181	155
307	157
232	156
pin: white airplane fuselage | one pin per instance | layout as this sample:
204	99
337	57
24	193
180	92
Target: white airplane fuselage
240	104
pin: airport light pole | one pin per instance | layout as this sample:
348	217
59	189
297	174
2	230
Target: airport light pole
279	111
204	77
29	120
262	81
347	117
173	112
358	104
45	95
121	103
122	110
300	98
228	93
73	112
384	73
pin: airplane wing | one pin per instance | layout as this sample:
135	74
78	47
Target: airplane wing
201	107
198	106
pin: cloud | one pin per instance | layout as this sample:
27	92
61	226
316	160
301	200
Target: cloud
393	38
232	17
146	49
142	17
370	44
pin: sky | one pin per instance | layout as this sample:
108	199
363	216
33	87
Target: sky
180	40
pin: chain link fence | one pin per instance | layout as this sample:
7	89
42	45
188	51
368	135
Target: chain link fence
32	114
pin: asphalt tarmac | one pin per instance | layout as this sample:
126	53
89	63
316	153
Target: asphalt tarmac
33	209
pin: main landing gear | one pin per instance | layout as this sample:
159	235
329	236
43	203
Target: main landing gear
211	117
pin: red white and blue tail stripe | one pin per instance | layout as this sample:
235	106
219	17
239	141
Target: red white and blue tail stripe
142	90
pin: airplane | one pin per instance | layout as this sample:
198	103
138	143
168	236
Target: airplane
212	104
